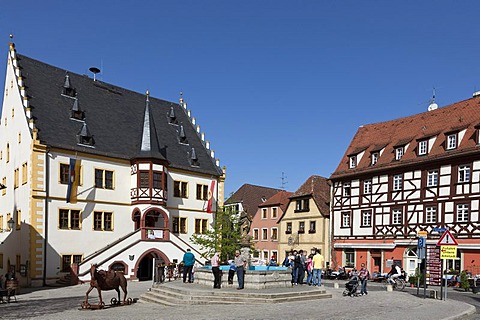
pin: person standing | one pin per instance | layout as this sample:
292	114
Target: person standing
188	262
240	264
215	261
363	274
309	265
318	262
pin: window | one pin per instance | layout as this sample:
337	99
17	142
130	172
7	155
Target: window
399	153
313	227
64	173
274	236
349	258
69	219
24	173
144	179
422	147
255	234
432	178
1	225
103	179
8	219
202	192
180	189
18	219
397	182
102	221
397	216
18	262
68	260
353	162
302	205
375	156
346	189
179	225
451	141
274	213
157	180
367	186
19	138
346	219
8	153
16	174
430	215
4	182
264	213
1	260
288	230
301	227
264	234
366	218
201	226
464	173
462	212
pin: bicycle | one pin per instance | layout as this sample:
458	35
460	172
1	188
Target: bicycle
398	284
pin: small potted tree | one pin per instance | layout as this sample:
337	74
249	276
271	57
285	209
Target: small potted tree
464	284
412	279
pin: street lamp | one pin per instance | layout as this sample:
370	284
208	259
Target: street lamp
10	223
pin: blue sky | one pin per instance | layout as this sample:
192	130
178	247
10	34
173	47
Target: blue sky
277	86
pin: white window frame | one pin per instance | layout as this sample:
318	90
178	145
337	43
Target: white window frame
346	219
366	218
274	213
367	186
397	216
452	141
256	234
264	234
272	236
375	156
430	215
462	212
464	173
399	152
432	178
422	147
353	162
397	182
347	190
264	213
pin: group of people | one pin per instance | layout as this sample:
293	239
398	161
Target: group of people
237	266
300	263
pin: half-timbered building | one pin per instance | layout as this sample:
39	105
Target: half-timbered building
96	173
407	175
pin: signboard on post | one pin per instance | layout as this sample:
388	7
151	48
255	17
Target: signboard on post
447	240
448	252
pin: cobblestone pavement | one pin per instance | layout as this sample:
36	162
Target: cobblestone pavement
64	303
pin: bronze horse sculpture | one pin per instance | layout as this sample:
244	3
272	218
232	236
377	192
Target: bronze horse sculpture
106	280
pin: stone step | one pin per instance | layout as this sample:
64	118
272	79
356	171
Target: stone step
171	295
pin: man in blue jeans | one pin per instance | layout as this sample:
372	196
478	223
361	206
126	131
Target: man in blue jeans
188	262
240	264
318	262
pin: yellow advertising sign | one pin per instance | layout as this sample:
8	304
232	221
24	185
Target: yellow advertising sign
448	252
422	233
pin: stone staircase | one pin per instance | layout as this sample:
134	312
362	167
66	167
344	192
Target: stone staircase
177	293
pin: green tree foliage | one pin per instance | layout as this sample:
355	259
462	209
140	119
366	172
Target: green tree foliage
224	236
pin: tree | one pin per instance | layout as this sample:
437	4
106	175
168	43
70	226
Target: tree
224	236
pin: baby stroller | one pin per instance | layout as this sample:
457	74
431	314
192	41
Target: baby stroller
352	287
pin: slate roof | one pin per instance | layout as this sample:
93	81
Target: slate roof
319	188
251	197
280	199
390	134
115	117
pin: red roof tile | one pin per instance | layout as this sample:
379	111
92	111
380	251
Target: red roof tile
319	188
456	117
251	196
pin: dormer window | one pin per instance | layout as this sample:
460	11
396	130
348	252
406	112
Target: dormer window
193	159
172	118
452	141
182	137
375	156
76	112
68	90
353	162
422	147
84	137
399	151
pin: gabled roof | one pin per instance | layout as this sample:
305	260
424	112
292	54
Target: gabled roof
251	197
463	115
280	199
319	189
118	119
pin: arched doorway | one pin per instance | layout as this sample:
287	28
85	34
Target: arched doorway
145	264
411	260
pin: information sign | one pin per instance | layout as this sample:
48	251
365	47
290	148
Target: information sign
448	252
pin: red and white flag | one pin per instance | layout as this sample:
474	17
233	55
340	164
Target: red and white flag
210	196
